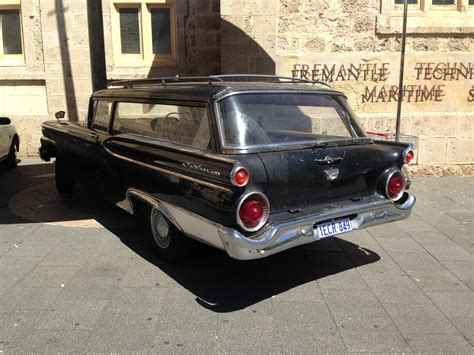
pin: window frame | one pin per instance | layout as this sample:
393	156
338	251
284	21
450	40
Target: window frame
427	18
146	57
12	59
175	145
95	104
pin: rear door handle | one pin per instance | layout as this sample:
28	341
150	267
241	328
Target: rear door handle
94	136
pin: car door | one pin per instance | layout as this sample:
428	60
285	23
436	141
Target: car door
88	138
4	140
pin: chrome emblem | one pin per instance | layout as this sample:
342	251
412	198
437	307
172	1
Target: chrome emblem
332	174
328	160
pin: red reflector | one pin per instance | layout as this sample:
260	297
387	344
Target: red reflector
395	186
241	177
251	213
409	156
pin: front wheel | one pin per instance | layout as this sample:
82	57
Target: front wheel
65	183
170	244
12	158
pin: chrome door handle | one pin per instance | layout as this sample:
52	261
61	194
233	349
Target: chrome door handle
94	136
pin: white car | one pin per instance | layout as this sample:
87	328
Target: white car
9	142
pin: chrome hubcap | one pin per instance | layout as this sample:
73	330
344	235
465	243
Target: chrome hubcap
160	229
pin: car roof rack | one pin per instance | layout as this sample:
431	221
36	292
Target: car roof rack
212	79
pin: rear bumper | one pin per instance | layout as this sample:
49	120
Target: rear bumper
301	231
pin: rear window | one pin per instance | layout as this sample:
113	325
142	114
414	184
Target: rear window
185	125
281	118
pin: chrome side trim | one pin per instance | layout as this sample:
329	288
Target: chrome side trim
189	223
166	171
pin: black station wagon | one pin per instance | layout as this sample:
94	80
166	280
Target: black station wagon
250	164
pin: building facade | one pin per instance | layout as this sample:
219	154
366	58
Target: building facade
352	44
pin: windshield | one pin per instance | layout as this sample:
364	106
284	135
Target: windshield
249	120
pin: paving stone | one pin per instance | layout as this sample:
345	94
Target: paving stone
47	276
197	341
451	253
232	333
371	334
417	261
419	319
53	341
122	333
401	291
465	325
464	270
440	343
26	299
293	316
454	304
72	314
357	303
7	281
400	245
432	238
14	328
437	280
17	265
144	300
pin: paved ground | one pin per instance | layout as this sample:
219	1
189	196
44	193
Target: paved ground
75	276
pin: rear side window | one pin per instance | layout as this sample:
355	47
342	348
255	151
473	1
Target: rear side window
102	115
185	125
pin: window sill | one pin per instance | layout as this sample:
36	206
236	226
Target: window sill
453	22
7	62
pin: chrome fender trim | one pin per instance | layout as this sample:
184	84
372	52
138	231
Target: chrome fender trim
189	223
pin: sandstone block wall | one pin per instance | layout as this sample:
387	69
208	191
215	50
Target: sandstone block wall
355	45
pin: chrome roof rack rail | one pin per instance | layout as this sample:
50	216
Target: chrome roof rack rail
163	81
219	79
281	79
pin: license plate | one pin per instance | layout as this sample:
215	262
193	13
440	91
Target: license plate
329	229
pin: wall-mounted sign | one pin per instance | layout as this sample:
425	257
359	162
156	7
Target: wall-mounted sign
436	82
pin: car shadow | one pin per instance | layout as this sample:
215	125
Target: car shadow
218	282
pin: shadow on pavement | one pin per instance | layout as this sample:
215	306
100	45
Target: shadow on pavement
219	283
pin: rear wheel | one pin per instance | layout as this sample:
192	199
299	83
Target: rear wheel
65	183
170	244
11	158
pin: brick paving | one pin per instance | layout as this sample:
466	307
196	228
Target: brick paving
76	276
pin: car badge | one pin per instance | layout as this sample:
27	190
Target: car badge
328	160
332	174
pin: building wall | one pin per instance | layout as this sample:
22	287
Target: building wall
56	71
355	45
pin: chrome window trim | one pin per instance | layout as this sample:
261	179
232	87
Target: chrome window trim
265	147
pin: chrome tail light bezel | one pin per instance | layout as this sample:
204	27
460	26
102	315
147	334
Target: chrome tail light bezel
266	213
403	178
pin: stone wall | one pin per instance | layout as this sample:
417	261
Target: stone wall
355	45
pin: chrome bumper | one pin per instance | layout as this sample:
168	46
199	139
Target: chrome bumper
280	236
302	230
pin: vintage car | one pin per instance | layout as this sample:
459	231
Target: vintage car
9	143
250	164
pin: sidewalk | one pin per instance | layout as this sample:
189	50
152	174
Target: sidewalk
76	276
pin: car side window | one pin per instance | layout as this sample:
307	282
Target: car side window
187	125
102	115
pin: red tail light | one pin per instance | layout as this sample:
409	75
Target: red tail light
253	212
408	155
395	186
240	176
